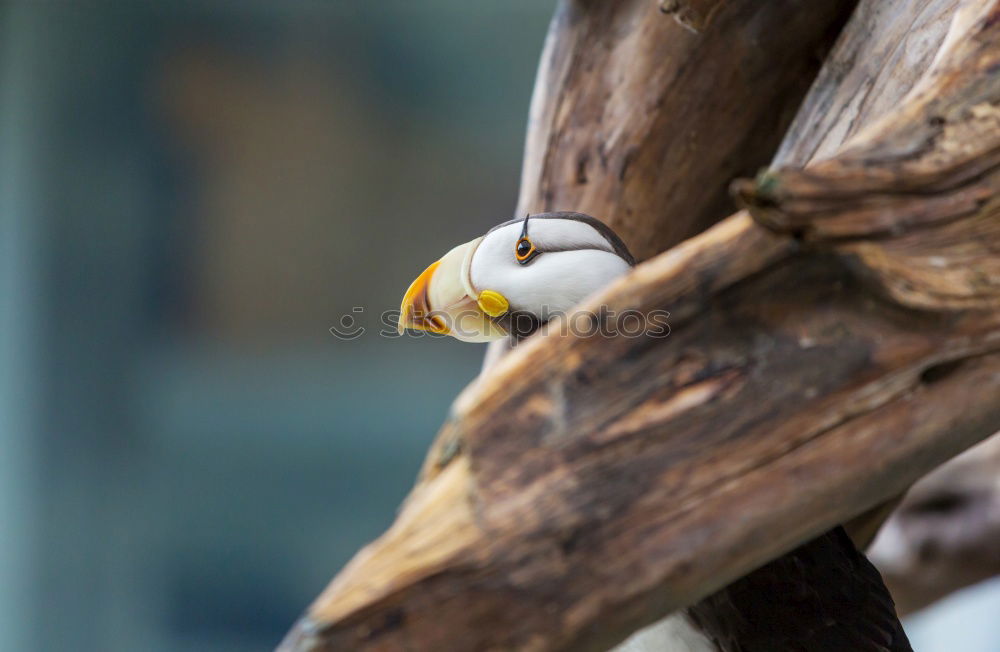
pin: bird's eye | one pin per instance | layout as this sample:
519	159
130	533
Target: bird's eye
524	250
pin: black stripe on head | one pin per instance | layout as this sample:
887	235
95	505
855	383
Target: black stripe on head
610	236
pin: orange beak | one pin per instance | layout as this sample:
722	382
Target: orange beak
415	311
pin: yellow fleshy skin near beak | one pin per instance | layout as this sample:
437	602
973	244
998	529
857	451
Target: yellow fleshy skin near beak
493	303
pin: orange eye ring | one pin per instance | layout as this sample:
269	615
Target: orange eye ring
524	250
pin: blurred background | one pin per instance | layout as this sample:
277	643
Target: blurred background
191	195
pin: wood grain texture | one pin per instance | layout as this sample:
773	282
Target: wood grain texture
587	486
918	188
884	51
625	95
886	48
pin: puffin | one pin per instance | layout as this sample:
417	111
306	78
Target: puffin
507	284
503	287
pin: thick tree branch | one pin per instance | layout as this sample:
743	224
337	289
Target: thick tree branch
886	48
913	199
882	54
566	511
626	95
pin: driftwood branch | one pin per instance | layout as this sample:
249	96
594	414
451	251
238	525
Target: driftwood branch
815	368
946	534
626	96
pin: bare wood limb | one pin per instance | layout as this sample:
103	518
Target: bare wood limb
902	184
626	95
723	422
886	48
883	53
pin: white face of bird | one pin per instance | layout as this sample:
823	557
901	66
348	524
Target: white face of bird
537	266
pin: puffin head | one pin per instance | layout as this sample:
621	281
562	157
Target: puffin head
515	278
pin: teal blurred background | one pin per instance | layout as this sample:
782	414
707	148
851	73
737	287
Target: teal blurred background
191	195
